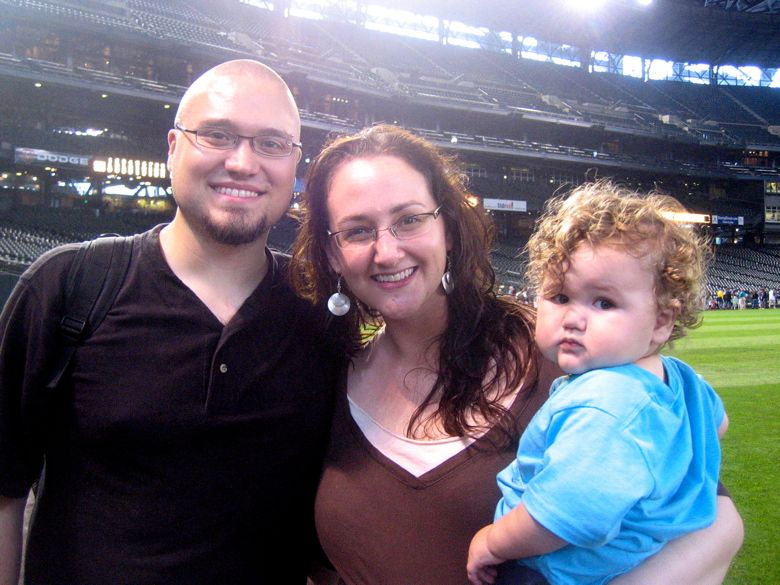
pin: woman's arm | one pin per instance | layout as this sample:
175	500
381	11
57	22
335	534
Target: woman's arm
11	522
515	535
699	558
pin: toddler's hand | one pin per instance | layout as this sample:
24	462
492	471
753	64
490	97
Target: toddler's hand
481	566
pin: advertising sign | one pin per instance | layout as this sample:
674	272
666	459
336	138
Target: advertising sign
505	204
727	220
47	158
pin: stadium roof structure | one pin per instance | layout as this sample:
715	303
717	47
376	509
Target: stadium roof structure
747	5
693	31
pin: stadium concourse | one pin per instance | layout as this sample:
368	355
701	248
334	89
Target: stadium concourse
27	232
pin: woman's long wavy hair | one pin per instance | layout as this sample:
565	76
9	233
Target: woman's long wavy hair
486	351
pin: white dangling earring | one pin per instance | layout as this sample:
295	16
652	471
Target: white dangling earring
446	280
339	303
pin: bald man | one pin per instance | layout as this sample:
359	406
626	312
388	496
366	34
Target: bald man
184	443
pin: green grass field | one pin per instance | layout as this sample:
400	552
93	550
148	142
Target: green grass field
738	352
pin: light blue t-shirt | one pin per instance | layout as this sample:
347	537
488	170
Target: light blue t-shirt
617	463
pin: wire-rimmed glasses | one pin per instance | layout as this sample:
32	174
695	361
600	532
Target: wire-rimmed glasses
273	145
406	228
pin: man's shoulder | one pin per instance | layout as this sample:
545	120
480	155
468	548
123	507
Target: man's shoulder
283	292
48	274
281	275
51	263
56	262
41	287
315	319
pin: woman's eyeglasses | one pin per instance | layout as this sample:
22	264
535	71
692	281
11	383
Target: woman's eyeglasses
406	228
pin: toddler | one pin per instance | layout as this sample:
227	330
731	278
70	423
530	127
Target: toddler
624	456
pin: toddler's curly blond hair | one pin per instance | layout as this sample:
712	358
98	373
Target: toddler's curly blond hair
603	213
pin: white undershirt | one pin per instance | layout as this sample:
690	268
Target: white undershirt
415	456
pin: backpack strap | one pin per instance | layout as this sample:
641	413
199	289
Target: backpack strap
94	280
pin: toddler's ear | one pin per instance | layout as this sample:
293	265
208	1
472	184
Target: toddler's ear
664	323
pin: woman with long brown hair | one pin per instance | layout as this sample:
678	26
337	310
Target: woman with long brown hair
431	404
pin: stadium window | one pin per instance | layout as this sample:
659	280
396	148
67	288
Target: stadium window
475	171
307	14
259	4
730	75
522	175
563	178
694	72
308	9
506	39
344	10
747	75
464	35
633	66
528	49
605	62
660	69
536	50
402	22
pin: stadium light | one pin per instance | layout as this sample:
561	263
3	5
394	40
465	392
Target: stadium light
594	5
687	218
586	5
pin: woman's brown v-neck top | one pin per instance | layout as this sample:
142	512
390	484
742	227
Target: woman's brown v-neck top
381	525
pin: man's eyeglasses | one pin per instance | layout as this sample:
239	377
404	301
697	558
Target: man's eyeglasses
271	145
406	228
